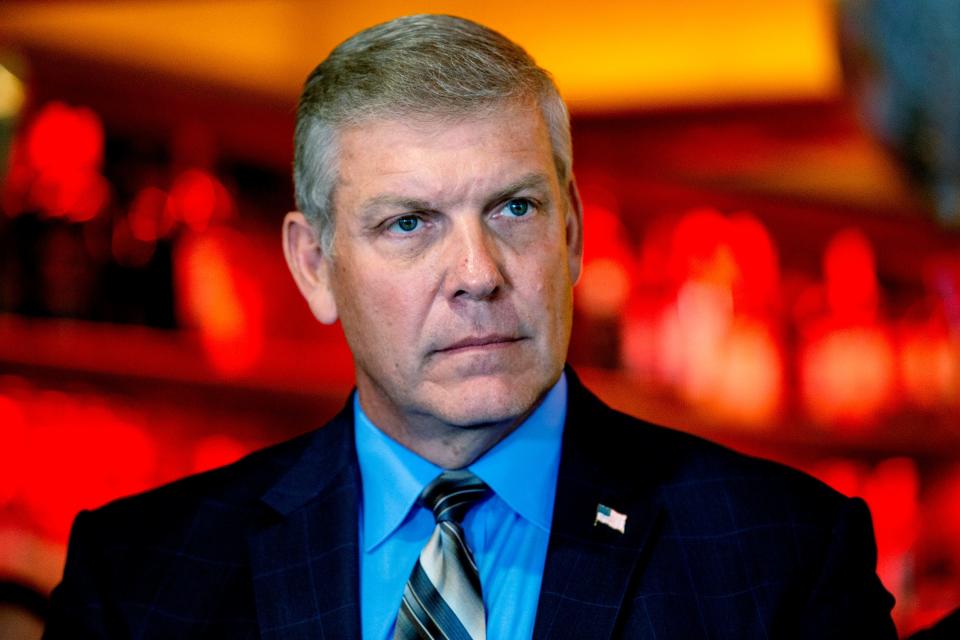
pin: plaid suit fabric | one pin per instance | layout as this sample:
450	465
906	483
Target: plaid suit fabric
241	552
716	545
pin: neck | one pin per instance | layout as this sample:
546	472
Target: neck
449	446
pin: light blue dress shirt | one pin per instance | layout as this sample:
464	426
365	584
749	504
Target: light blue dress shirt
508	532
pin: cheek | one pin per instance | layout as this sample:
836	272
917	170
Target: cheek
381	310
547	287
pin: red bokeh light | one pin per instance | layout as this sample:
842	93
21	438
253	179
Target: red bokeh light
13	448
847	361
699	249
608	264
849	270
892	490
56	166
734	252
63	452
929	365
63	139
846	476
76	195
150	216
215	451
101	455
716	339
198	199
758	288
942	519
126	248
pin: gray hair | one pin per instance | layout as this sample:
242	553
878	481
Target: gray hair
430	66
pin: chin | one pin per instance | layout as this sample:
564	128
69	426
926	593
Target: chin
480	403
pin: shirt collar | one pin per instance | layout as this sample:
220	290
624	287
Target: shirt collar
393	476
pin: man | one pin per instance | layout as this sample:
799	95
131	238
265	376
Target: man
440	223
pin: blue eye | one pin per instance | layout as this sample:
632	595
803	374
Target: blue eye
406	224
518	207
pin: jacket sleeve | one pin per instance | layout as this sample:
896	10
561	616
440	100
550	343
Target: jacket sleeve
848	600
76	607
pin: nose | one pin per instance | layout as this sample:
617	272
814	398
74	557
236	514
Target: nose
475	271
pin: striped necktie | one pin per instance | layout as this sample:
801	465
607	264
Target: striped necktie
442	599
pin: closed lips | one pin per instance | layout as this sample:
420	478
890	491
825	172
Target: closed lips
485	341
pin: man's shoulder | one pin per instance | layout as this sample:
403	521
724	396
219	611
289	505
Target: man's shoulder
228	498
718	525
179	547
692	472
693	460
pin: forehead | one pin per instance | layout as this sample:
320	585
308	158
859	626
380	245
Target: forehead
441	155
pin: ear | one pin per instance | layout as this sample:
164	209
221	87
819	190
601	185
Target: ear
309	265
574	231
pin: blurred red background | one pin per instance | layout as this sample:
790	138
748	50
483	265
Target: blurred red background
761	266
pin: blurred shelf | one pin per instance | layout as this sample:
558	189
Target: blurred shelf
928	436
128	355
302	375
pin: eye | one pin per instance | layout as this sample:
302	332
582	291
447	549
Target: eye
518	207
405	224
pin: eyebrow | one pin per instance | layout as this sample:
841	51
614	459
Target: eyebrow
528	181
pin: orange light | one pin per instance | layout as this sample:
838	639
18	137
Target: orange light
642	341
848	375
603	288
749	391
220	300
717	346
705	314
605	284
610	55
929	367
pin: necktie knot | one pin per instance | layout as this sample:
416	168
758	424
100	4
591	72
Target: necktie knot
442	598
451	494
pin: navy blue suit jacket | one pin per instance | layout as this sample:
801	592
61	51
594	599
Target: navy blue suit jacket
716	545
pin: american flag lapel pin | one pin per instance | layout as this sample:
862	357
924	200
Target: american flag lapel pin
611	518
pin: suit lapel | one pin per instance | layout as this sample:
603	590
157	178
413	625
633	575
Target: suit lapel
304	562
305	559
589	567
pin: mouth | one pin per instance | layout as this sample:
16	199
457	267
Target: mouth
479	343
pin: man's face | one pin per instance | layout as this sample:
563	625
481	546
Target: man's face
454	256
